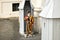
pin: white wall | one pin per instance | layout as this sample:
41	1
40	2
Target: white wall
56	10
9	0
36	3
0	7
50	28
56	29
6	10
47	28
38	25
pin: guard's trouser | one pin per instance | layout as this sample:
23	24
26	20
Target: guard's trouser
28	29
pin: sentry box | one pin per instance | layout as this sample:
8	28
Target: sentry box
50	20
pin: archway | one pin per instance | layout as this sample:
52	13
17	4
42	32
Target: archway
23	7
27	7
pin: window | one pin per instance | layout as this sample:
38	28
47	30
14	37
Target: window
15	7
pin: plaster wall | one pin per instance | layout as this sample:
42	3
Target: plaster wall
6	10
9	0
36	3
0	7
56	29
50	28
56	10
47	28
38	25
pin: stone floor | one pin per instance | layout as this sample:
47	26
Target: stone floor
35	37
9	30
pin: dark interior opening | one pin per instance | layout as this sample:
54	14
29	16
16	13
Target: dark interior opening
15	7
27	7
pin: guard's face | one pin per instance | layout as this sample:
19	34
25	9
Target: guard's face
28	14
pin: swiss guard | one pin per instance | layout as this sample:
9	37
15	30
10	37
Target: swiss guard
29	24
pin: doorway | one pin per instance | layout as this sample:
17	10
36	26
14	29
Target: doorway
27	7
